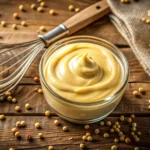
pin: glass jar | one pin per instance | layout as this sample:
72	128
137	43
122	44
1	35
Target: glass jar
79	112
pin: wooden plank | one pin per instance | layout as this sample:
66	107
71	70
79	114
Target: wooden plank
25	94
101	28
60	140
34	17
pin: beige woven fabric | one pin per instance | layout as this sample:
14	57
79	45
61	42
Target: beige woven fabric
127	19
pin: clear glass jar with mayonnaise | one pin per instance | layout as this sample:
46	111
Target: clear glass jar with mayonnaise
83	78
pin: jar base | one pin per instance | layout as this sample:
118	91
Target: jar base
80	121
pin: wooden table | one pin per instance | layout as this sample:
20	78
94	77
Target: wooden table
24	93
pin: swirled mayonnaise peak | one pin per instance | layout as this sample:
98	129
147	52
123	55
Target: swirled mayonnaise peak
83	72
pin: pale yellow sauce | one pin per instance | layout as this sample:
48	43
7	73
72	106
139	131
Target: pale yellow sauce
83	72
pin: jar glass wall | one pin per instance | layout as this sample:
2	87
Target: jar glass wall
79	112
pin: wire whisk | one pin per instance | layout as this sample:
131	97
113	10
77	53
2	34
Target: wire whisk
10	76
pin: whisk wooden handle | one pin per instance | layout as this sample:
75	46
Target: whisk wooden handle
78	21
87	16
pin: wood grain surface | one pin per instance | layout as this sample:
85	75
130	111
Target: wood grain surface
24	92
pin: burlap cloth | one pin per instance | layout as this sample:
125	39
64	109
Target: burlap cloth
127	19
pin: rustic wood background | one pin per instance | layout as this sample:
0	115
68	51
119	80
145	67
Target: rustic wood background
24	93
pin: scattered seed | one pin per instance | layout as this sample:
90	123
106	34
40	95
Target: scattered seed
116	140
82	146
1	98
147	21
114	147
141	90
21	7
11	149
89	138
132	116
39	1
108	123
36	79
86	126
97	131
127	140
77	9
47	113
139	133
114	126
33	6
42	4
124	1
106	135
2	117
16	15
23	23
27	106
18	124
137	139
134	124
129	120
56	122
50	148
84	137
17	108
121	138
23	123
71	7
102	123
112	130
40	91
3	24
17	134
14	100
148	13
70	138
88	134
120	133
121	118
14	130
132	133
117	130
65	128
143	19
40	9
8	93
29	137
119	126
135	93
52	12
135	136
40	135
116	123
136	148
133	129
14	26
9	98
37	125
42	28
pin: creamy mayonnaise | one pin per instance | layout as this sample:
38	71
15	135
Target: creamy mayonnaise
83	72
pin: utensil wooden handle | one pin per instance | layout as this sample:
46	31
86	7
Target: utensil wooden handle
87	16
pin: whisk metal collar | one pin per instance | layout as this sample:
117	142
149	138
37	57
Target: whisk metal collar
55	34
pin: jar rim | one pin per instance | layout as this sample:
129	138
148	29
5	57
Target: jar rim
67	39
